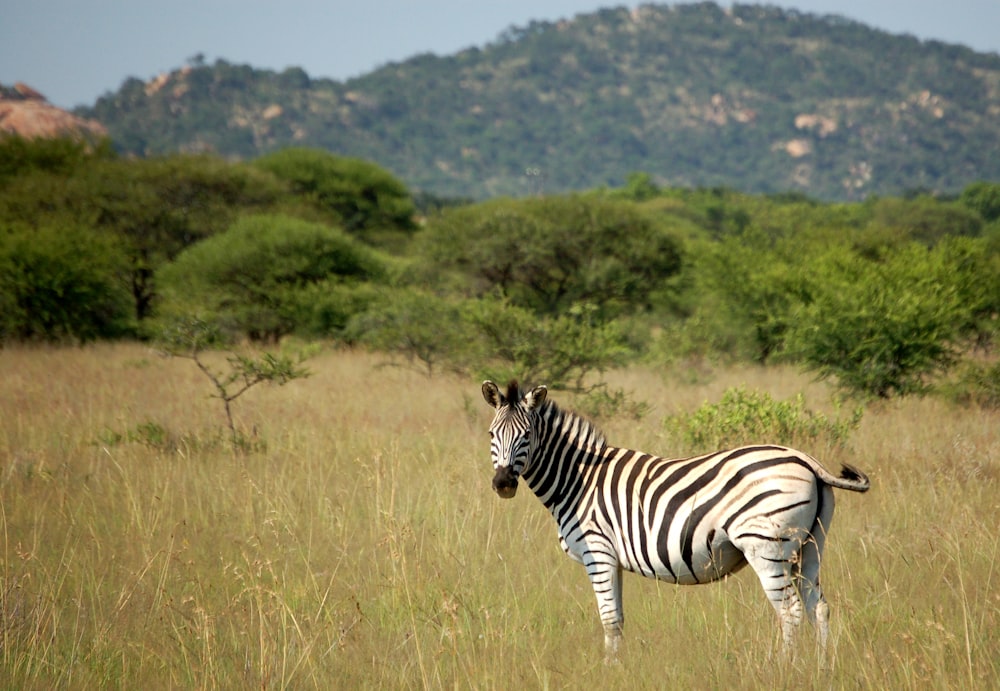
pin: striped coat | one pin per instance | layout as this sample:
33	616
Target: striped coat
686	521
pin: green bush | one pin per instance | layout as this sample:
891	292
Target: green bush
62	283
491	338
924	219
750	417
976	384
326	309
255	278
58	155
746	301
983	198
881	328
423	329
361	196
511	342
547	254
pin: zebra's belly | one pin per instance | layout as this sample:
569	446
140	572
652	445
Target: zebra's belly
704	567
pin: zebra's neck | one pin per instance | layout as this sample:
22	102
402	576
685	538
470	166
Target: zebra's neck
563	444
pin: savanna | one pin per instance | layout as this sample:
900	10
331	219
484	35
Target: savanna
353	541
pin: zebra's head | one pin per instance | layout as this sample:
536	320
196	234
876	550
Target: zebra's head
510	432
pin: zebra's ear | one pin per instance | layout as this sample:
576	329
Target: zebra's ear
492	394
535	397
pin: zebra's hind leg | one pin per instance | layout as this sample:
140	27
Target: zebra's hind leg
817	610
775	559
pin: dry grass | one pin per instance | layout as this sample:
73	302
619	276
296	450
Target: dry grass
361	547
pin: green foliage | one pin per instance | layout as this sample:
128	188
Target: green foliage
882	295
361	196
751	417
971	267
423	329
639	187
252	279
752	295
687	97
61	283
156	207
603	402
881	329
59	155
326	309
491	338
149	433
897	222
550	253
983	198
561	352
976	384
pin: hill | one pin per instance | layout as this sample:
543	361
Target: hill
755	98
27	113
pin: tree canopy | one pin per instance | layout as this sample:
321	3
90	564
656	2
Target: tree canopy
548	254
883	297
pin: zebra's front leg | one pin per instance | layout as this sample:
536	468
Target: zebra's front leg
605	575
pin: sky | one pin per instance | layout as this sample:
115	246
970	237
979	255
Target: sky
75	51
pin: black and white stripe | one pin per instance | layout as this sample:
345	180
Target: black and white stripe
685	521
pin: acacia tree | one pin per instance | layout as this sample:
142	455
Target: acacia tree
361	196
547	254
189	338
155	208
562	351
423	329
61	282
983	198
251	279
881	328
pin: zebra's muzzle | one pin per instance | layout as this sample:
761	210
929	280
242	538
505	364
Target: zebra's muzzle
505	482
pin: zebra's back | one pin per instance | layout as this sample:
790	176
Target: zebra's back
683	520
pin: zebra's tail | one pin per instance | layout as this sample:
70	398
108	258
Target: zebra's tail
850	478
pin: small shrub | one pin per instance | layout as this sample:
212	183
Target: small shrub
561	352
976	385
418	327
149	433
744	417
605	403
188	339
153	435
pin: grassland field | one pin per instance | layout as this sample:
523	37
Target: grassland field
358	544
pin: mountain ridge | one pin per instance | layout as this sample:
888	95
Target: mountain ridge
755	98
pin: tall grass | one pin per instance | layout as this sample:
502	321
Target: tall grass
359	544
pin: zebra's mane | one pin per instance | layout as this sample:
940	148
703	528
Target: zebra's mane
586	433
513	392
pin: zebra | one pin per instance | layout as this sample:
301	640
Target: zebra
685	521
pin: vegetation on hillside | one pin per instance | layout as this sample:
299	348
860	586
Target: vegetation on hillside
756	98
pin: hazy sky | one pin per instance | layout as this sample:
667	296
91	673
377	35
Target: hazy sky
74	51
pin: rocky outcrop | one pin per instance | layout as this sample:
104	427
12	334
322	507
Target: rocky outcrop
25	112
